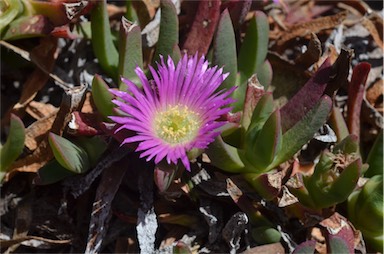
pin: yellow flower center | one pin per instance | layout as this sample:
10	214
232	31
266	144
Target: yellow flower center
177	124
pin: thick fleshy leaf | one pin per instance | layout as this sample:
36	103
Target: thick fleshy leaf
265	235
338	123
255	45
102	41
224	156
130	52
224	49
94	146
201	32
303	131
254	93
375	157
267	185
348	145
343	186
370	201
69	155
176	54
10	9
102	97
14	145
356	91
27	27
163	175
306	98
52	172
267	144
307	247
262	111
252	54
338	245
265	74
169	29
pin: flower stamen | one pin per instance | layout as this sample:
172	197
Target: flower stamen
177	124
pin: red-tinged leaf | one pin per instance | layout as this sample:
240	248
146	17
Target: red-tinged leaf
224	50
307	247
27	27
53	10
307	97
130	52
14	145
64	32
169	30
164	175
200	35
69	155
356	90
84	124
102	97
303	131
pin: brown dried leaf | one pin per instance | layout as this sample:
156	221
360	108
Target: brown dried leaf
40	110
43	153
276	248
313	26
374	24
36	132
313	53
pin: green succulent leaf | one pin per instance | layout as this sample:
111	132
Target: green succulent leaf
252	54
267	144
169	30
303	131
348	145
14	145
52	172
224	156
261	113
338	245
69	155
130	52
10	10
375	157
224	49
265	235
102	97
255	45
94	146
27	27
102	41
265	74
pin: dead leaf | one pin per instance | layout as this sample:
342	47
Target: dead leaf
40	110
35	133
312	54
276	248
313	26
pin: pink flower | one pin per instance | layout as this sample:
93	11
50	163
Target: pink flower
176	111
